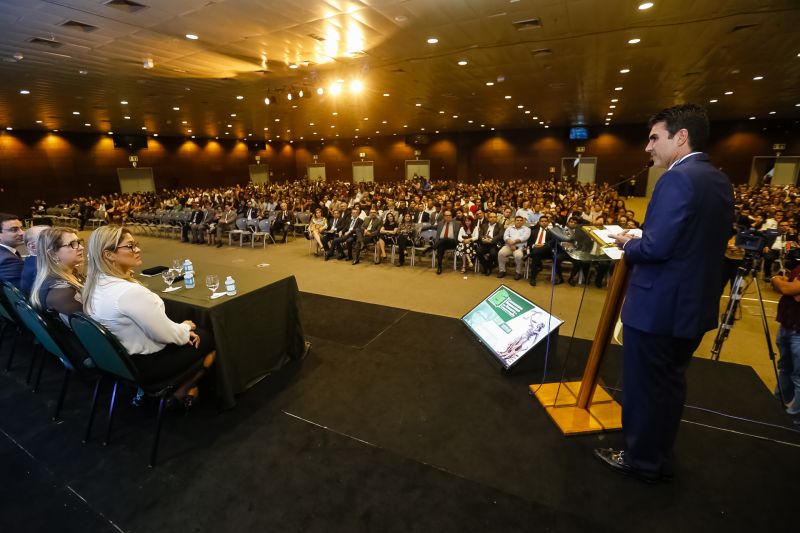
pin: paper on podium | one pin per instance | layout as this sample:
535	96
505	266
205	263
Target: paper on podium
613	252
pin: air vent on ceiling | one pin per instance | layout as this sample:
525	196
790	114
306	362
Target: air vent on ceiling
743	27
52	43
80	26
527	24
316	37
128	6
541	52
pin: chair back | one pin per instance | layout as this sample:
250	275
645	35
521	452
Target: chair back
263	225
103	347
45	334
241	224
8	296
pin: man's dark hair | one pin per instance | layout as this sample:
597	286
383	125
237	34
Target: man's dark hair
691	117
5	217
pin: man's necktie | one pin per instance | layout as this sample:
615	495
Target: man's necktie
17	254
446	228
540	239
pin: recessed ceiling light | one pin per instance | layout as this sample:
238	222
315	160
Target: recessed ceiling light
38	121
332	126
645	6
124	102
365	118
126	117
422	129
489	83
176	108
87	124
617	88
229	125
144	128
612	106
752	118
233	114
292	65
320	91
441	112
240	97
614	100
797	105
527	111
542	123
192	136
728	93
55	131
277	120
535	118
184	122
192	36
76	112
310	124
624	70
190	131
334	113
433	40
462	62
24	91
713	101
82	72
758	78
418	104
383	122
635	40
111	133
470	121
386	94
9	128
406	125
520	106
772	112
455	116
267	100
508	97
610	113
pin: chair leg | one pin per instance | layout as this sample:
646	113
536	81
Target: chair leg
111	413
11	353
63	393
159	420
39	374
37	352
92	410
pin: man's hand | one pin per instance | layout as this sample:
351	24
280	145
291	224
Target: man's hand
621	238
194	339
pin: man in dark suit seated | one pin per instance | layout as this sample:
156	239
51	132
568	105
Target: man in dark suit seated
194	220
541	243
348	236
333	231
446	237
29	266
11	236
367	233
490	239
283	222
673	292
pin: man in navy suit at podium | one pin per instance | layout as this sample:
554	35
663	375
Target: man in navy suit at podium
674	290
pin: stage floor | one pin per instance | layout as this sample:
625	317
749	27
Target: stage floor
396	421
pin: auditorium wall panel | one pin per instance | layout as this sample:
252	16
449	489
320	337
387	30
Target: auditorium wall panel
57	167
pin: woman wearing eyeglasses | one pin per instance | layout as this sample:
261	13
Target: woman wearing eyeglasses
58	282
159	347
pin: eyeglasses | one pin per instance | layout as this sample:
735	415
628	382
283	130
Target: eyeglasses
133	245
75	244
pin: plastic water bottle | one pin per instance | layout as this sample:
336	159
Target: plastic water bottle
188	266
188	279
230	286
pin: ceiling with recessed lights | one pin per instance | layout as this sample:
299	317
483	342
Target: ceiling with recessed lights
380	67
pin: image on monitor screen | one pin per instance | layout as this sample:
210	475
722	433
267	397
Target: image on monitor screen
578	133
509	324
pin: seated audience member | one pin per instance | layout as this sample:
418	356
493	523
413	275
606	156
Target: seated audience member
283	222
58	282
541	248
776	246
490	239
466	248
159	347
334	230
29	266
368	233
316	228
405	236
200	229
226	221
347	237
515	238
446	237
388	232
11	236
195	218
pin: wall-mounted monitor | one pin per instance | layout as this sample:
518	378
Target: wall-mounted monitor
578	133
131	142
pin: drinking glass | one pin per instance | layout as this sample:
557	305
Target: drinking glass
169	277
212	282
177	266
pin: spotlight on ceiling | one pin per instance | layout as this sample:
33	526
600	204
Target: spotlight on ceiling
335	89
267	100
356	86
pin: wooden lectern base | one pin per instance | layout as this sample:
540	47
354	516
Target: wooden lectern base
603	414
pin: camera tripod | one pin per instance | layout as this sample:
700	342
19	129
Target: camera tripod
746	268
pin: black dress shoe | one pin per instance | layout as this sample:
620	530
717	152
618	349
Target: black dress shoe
517	276
501	275
327	256
558	281
572	281
439	269
615	459
533	282
356	260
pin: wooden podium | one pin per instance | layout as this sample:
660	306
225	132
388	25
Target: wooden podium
580	407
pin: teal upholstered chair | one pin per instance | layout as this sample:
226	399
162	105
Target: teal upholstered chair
114	360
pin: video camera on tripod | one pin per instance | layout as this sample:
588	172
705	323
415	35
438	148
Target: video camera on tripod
753	240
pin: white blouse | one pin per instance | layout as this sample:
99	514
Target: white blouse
135	315
463	234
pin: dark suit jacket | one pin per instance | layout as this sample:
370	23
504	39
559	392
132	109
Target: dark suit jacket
335	228
497	234
345	226
675	285
28	274
10	267
440	228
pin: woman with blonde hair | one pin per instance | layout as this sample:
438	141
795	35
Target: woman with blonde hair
58	282
316	228
159	347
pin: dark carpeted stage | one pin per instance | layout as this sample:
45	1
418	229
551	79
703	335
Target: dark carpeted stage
396	421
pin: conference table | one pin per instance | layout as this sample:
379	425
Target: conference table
256	332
